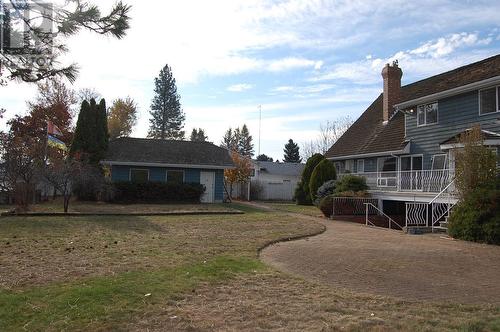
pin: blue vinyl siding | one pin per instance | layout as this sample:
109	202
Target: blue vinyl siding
455	114
191	175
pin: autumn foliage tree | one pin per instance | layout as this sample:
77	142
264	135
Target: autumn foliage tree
122	117
240	173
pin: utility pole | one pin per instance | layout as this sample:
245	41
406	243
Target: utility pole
260	120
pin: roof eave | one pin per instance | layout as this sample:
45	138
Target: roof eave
144	164
405	150
448	93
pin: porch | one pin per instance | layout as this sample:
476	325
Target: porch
416	181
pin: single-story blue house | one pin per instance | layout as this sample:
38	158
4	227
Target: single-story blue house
141	159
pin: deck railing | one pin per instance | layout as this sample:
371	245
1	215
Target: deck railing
407	181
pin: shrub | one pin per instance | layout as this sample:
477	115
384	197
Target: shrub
157	192
311	164
323	172
256	190
351	183
326	206
88	184
324	190
299	196
477	217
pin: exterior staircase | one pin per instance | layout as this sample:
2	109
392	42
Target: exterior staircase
433	215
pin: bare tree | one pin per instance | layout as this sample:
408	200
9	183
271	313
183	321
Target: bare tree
329	133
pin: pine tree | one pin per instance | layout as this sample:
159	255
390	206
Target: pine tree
228	141
244	139
263	157
167	117
292	154
198	135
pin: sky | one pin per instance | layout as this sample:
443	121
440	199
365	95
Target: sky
304	62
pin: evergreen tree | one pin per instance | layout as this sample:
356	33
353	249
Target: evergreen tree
91	134
167	117
244	139
198	135
102	136
228	141
292	154
263	157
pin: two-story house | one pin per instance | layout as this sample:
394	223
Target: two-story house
403	143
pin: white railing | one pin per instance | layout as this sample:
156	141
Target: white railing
417	213
370	206
409	181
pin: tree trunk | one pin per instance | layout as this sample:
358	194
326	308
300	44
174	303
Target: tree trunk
66	202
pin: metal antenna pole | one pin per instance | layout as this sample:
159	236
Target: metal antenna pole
260	120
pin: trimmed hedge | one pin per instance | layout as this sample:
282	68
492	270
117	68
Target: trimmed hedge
351	183
477	217
324	171
157	192
302	195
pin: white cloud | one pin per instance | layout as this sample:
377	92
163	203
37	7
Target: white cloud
427	59
239	87
293	63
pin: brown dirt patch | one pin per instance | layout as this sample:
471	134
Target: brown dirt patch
274	301
377	261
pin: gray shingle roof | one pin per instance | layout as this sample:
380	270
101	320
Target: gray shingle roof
369	135
155	151
290	169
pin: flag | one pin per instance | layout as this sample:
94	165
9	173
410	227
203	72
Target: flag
56	143
52	129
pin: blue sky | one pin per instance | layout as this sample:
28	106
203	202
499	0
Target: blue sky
305	62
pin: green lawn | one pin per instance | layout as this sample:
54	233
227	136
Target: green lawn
185	273
309	210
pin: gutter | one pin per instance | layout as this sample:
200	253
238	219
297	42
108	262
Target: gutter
451	92
131	163
488	142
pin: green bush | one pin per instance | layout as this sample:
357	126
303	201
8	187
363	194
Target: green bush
326	189
477	217
351	183
323	172
326	205
299	195
311	164
157	192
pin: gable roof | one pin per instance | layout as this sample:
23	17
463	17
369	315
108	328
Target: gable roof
137	151
369	134
289	169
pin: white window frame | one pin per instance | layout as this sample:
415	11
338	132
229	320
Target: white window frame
425	114
175	170
358	168
349	166
497	106
446	161
137	169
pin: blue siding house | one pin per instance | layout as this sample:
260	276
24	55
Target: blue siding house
404	143
140	159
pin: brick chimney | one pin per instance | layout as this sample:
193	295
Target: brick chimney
392	85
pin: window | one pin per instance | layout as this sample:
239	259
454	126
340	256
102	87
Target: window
488	100
411	163
139	175
427	114
349	166
252	172
439	161
387	164
175	177
361	166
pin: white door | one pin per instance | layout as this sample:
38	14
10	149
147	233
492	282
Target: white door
208	180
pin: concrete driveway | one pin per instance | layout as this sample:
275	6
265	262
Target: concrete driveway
390	263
